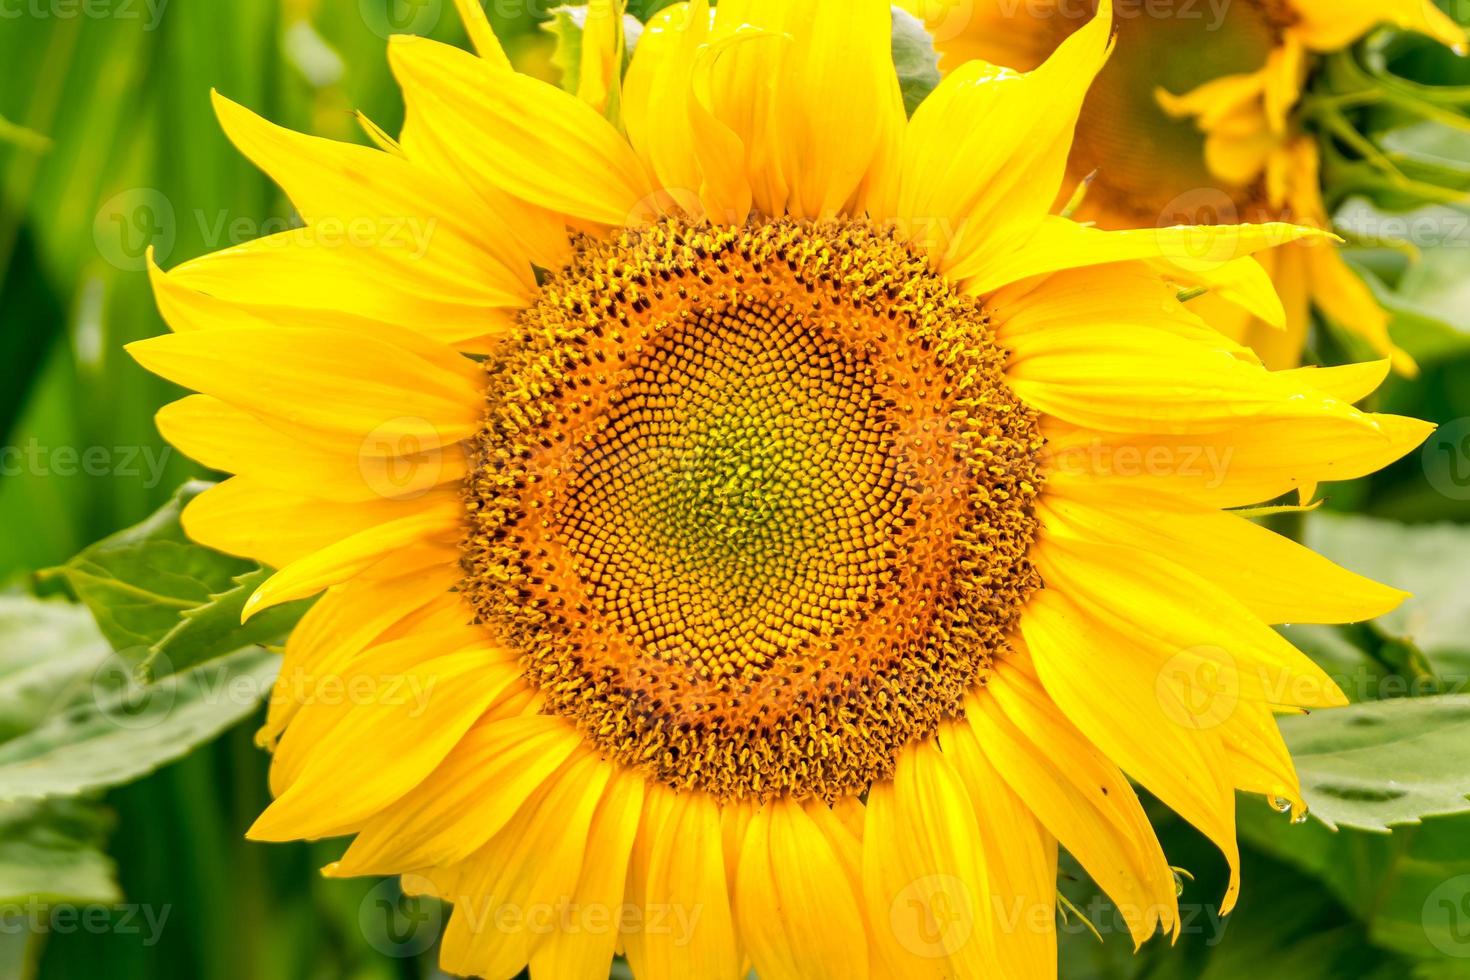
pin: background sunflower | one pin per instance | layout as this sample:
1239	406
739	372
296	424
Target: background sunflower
123	805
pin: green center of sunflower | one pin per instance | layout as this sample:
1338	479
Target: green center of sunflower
753	503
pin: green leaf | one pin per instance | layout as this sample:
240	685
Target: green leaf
48	653
566	26
1410	889
213	629
1285	919
1430	561
52	852
170	603
74	717
126	729
914	57
1380	764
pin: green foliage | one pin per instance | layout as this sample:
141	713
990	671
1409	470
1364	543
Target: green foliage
915	59
1408	888
123	730
1384	763
168	603
52	852
1432	562
127	770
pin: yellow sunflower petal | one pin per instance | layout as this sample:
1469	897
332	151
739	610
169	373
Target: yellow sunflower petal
1124	713
1278	580
506	897
300	278
352	617
385	743
473	794
531	139
1022	874
1348	383
1341	294
686	871
246	518
797	918
924	869
327	379
1329	24
381	200
985	154
1059	243
482	35
1077	793
310	574
833	82
1255	462
657	92
224	438
584	952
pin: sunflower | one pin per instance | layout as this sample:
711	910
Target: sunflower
1197	118
763	538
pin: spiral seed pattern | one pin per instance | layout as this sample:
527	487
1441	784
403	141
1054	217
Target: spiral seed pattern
753	503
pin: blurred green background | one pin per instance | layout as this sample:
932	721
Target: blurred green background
108	144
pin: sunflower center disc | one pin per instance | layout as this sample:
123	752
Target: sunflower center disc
753	503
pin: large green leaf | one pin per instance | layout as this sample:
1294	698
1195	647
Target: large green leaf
1410	889
1430	561
1286	924
48	653
127	729
167	602
75	718
1379	764
52	852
